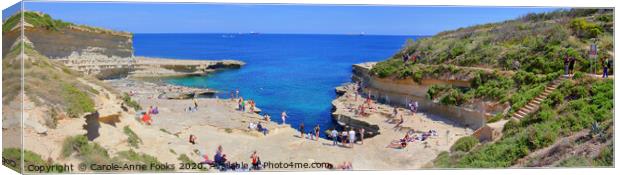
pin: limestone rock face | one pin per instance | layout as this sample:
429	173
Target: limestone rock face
61	44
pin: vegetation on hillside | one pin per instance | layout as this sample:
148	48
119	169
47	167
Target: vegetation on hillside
45	21
579	104
132	138
36	19
130	102
512	62
517	89
47	83
507	62
92	153
534	43
14	155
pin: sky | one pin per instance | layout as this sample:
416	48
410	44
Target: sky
290	19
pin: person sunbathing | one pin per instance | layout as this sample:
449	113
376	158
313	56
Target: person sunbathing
206	160
146	119
155	111
397	144
400	143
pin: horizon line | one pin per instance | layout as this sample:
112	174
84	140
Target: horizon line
259	33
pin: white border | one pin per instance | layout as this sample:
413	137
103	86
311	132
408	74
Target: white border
521	3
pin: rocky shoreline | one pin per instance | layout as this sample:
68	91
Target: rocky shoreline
163	67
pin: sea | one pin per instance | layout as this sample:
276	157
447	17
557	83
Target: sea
296	73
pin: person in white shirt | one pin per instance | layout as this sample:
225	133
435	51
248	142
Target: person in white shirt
352	137
334	136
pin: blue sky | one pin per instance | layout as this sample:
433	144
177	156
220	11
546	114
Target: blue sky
315	19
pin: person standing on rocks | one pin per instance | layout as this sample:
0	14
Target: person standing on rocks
351	137
195	103
237	93
317	131
284	116
361	130
301	129
334	135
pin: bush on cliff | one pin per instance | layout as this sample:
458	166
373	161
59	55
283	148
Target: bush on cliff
132	138
133	157
543	128
15	155
130	102
89	153
78	102
532	44
36	19
464	144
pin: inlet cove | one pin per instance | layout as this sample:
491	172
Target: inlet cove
532	88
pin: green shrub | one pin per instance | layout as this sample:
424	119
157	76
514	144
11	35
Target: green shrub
131	103
134	157
500	154
184	159
15	155
78	102
496	118
418	76
492	87
542	135
132	138
453	97
605	157
465	144
442	160
512	124
89	153
575	161
578	75
524	95
436	90
71	144
38	20
555	98
585	29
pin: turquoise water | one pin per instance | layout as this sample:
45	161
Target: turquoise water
293	73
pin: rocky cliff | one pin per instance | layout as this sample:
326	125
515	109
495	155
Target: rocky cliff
59	39
66	41
401	92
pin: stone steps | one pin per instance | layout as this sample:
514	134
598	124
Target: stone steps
534	104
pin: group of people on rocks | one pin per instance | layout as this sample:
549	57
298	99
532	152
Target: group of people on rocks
221	162
314	135
241	104
347	137
258	126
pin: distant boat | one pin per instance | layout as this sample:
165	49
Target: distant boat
362	33
254	33
228	36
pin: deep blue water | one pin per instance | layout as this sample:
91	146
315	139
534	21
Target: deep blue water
293	73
